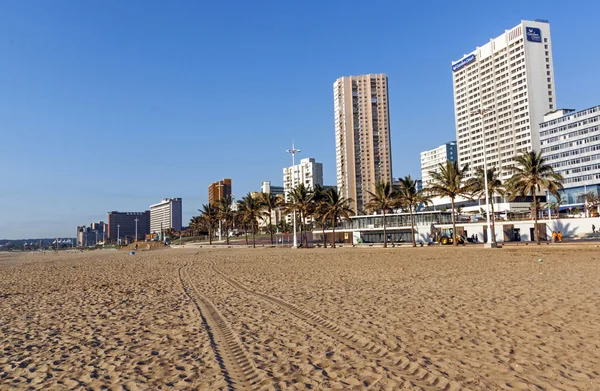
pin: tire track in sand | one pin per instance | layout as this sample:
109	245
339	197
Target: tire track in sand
238	369
397	365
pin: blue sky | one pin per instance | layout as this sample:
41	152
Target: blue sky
113	105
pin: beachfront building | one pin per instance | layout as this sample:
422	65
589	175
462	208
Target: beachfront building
165	215
511	78
122	225
362	136
430	160
219	189
570	142
266	187
308	171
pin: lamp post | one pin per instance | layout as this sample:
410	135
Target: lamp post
548	203
220	185
482	113
118	234
293	152
136	220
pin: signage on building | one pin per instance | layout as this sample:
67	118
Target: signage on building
534	34
463	62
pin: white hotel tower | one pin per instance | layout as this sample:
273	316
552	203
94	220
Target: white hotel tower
511	77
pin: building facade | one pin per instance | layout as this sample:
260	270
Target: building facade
123	224
431	159
570	142
218	190
266	187
308	172
362	136
511	80
166	215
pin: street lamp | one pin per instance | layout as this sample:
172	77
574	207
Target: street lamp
482	113
293	152
220	185
136	220
118	234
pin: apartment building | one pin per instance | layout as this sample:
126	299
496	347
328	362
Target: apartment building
362	136
166	215
430	160
502	90
570	142
219	189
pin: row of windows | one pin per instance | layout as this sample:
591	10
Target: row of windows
573	125
574	152
569	117
577	133
586	140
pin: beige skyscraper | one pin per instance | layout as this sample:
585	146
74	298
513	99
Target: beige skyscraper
362	136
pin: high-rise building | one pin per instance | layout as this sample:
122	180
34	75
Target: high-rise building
362	136
431	159
219	189
570	142
165	215
266	187
123	224
308	172
511	80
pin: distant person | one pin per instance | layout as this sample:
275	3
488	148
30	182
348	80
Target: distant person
559	237
554	236
593	229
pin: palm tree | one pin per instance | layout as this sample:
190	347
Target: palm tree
532	174
301	203
195	225
252	208
448	181
410	198
495	186
383	199
320	208
225	214
209	215
270	202
334	207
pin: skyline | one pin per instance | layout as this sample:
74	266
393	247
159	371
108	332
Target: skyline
74	88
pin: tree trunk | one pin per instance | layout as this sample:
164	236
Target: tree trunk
209	235
226	232
455	242
271	226
324	237
493	216
246	233
253	237
384	232
300	218
535	225
333	233
412	227
306	236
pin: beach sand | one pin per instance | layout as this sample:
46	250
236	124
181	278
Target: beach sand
351	318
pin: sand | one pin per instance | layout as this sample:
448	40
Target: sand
267	319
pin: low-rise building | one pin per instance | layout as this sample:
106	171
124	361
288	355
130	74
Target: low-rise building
570	142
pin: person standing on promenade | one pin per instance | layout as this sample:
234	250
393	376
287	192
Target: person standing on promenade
593	229
559	236
553	236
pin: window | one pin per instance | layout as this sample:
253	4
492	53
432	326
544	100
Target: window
545	46
550	93
549	80
546	52
548	73
545	40
547	66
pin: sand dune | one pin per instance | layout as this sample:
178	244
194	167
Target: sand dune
403	318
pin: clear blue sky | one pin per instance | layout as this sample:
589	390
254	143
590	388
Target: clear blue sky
113	105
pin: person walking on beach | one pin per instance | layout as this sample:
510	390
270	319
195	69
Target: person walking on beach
559	236
593	229
553	236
